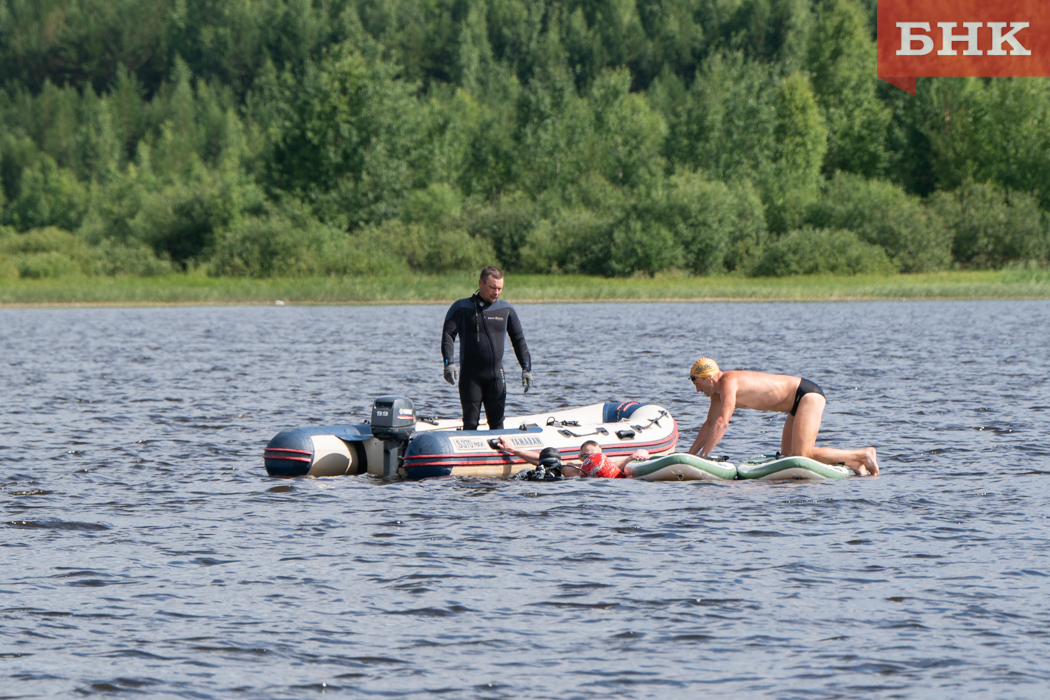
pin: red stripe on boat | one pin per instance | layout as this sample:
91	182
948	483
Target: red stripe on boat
616	450
504	460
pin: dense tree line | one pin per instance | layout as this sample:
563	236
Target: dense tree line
612	137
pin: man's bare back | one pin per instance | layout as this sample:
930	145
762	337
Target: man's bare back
758	390
801	399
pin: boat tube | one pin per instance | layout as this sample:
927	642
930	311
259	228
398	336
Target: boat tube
779	468
395	443
683	467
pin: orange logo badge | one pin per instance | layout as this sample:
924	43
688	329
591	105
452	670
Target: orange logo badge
962	38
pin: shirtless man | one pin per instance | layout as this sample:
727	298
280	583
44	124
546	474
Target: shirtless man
801	399
593	462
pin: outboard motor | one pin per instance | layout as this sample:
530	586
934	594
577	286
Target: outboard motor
393	422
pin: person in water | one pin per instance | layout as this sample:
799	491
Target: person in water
801	399
593	462
481	322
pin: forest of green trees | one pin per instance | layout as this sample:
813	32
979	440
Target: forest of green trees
274	138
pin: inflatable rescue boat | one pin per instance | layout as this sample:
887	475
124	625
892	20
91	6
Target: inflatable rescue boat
397	443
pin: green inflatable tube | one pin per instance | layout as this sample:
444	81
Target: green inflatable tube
682	467
776	468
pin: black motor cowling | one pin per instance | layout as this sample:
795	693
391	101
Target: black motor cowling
393	422
393	418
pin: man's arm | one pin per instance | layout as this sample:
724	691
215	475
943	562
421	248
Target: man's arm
622	462
448	334
517	339
713	412
727	396
528	455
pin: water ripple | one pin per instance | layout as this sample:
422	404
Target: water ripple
146	552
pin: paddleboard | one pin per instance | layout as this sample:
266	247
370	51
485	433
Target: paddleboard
682	467
777	468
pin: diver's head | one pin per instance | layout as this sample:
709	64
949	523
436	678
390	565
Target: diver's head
550	457
490	285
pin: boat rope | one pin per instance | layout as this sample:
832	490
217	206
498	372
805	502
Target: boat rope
554	421
648	425
597	431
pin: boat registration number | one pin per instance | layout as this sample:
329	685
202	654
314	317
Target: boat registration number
525	442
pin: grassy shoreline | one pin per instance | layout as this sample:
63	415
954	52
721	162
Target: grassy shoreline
196	289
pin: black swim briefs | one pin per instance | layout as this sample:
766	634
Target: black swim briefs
805	387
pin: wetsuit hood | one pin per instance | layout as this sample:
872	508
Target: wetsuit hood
550	457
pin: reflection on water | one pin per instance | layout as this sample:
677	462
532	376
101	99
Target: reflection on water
146	551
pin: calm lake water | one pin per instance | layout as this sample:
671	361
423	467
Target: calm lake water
145	551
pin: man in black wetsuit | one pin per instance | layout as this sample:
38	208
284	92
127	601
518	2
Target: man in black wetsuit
481	322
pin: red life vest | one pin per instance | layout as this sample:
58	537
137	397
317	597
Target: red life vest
598	465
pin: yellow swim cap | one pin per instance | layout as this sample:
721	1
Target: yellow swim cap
704	367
